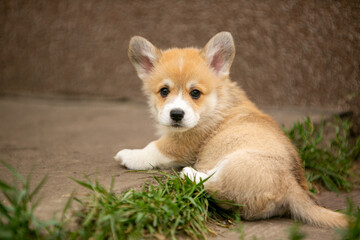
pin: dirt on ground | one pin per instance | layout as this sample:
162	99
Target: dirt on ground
65	138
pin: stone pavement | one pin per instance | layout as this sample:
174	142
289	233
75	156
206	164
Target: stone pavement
68	138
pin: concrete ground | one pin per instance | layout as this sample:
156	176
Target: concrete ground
65	138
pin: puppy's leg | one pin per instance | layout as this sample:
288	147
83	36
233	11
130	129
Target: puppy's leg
143	159
194	175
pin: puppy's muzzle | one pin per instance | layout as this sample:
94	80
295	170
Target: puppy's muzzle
177	115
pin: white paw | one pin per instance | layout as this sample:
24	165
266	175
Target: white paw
132	159
124	157
188	171
192	174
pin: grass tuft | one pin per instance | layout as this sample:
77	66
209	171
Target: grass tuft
295	232
327	164
171	207
17	219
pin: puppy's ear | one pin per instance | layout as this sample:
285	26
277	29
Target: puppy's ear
219	52
143	55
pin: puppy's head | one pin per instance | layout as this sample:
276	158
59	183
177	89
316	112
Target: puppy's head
182	83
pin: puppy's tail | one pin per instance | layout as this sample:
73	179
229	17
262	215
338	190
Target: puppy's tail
303	208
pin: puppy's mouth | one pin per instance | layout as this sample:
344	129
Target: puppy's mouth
177	125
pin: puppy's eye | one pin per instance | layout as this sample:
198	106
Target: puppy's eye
195	94
164	92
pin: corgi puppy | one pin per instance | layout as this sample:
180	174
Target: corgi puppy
210	127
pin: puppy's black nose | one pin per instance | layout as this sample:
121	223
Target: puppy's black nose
177	114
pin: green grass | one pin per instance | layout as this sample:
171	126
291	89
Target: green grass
295	232
328	163
17	219
173	206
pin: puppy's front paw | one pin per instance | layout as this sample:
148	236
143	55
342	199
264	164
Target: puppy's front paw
133	159
124	157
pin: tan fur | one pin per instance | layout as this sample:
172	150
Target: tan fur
261	168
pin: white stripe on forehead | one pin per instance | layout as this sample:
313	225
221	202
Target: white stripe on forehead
168	82
181	64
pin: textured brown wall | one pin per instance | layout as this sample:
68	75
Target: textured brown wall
298	52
